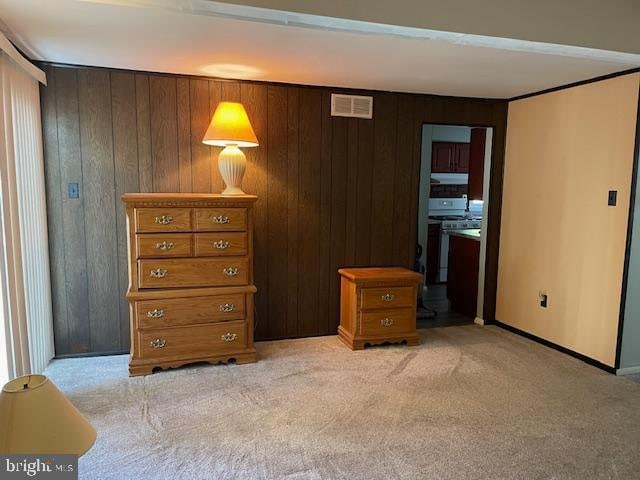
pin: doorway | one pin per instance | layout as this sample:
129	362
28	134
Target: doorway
452	222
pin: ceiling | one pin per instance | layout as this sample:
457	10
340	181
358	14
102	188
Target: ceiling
208	38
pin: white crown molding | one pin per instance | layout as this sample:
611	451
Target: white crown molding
318	22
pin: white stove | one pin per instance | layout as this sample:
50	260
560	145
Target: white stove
460	223
452	214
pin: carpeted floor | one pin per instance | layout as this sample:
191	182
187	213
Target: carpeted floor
470	402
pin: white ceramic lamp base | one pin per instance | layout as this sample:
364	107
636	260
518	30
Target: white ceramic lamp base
232	164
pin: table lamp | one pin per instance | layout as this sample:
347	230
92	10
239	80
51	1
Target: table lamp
230	128
36	418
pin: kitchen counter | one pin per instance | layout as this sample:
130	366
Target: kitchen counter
472	233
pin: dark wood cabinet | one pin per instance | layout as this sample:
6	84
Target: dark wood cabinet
462	157
476	163
433	254
450	157
462	275
442	157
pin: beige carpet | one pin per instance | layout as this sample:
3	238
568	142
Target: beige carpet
471	402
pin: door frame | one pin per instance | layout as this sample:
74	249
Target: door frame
494	217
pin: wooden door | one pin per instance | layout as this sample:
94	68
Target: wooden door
476	163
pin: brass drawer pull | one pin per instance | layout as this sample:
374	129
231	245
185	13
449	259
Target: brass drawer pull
386	322
164	219
159	273
165	245
388	297
158	343
220	219
221	244
229	337
231	271
155	313
227	307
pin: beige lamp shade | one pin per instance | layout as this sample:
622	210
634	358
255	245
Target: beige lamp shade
230	126
36	418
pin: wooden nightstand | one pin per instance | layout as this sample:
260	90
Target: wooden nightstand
378	305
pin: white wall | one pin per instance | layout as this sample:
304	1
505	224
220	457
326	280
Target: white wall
433	133
630	353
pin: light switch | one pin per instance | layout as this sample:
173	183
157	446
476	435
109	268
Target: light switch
613	198
73	190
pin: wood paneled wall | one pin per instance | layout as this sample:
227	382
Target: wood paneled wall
332	191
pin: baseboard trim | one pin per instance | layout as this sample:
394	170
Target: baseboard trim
90	354
628	370
557	347
478	321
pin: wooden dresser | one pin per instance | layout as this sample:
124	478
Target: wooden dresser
190	279
378	305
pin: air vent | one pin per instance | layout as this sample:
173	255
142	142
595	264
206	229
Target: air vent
351	106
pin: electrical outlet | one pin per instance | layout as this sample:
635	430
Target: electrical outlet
542	297
73	190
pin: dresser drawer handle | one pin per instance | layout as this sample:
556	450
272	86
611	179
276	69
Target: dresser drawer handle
221	244
220	219
386	322
159	273
231	271
158	343
227	307
155	313
388	297
229	337
165	245
164	219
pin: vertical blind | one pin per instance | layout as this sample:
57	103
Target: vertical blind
24	263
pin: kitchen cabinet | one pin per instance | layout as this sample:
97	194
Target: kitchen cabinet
462	151
476	163
450	157
462	276
432	266
442	154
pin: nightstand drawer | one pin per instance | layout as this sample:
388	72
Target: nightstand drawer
385	322
220	219
193	272
193	342
163	219
219	244
387	297
171	312
158	245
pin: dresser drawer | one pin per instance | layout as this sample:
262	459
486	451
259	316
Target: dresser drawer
163	219
218	244
194	341
388	322
220	219
158	245
171	312
387	297
193	272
